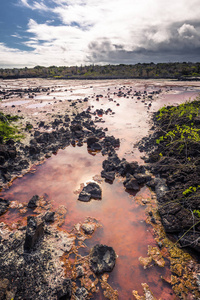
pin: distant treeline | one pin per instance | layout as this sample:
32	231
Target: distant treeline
180	71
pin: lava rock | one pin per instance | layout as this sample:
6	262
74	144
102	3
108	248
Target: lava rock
131	184
88	228
79	271
125	167
4	151
142	178
49	216
34	150
34	233
76	127
102	259
65	292
91	191
110	176
33	202
91	140
190	239
81	294
111	140
3	205
160	188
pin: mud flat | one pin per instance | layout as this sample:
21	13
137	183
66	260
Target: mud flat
80	154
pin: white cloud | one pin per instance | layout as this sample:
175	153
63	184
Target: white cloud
106	26
25	3
35	5
16	35
187	31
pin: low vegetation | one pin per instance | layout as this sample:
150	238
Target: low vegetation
181	71
175	156
7	129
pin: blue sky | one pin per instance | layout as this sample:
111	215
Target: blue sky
75	32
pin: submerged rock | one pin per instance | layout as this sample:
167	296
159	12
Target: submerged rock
90	191
102	259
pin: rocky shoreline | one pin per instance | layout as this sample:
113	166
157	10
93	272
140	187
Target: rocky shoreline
28	254
176	173
31	254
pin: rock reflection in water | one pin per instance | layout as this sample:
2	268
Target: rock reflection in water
122	219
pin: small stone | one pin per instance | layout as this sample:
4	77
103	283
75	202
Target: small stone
88	228
79	271
81	293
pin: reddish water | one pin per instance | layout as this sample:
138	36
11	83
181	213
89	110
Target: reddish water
122	219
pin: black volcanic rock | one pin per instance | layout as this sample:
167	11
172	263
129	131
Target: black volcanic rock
110	176
34	233
91	191
102	259
33	201
131	184
3	205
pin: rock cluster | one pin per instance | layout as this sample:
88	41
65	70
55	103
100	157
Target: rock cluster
15	157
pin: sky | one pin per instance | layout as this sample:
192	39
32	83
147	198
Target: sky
85	32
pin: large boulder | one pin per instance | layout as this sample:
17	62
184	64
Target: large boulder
102	259
90	191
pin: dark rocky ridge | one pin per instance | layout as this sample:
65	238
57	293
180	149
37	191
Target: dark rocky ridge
173	176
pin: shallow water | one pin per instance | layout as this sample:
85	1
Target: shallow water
121	217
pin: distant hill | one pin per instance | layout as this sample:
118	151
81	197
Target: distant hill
179	71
